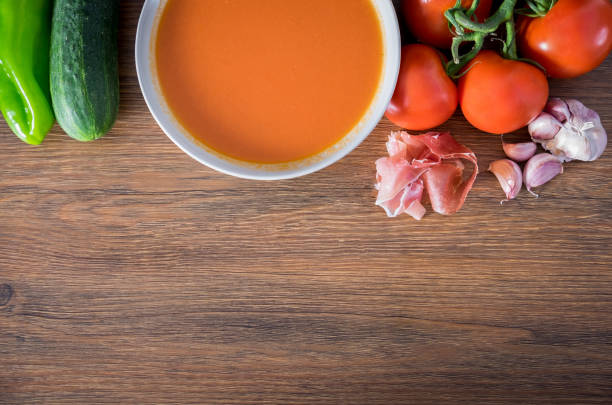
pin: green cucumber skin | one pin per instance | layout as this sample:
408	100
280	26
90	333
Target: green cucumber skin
84	66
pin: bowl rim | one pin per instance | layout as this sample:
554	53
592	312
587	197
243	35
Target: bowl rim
145	37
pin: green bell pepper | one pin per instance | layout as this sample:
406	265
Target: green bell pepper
25	100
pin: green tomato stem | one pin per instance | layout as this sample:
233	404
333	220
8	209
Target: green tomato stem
503	14
454	66
470	12
537	8
467	30
510	51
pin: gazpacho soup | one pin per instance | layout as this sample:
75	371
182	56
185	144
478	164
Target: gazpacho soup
269	81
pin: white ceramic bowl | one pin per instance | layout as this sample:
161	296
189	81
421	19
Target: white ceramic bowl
145	66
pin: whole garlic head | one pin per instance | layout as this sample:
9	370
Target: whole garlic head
569	130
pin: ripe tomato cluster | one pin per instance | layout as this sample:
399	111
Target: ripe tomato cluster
498	92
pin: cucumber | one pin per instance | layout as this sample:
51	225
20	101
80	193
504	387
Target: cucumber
84	66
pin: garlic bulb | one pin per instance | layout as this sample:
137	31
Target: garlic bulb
569	130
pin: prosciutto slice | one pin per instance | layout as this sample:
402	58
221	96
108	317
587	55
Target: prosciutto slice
431	163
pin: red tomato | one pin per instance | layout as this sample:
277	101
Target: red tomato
500	95
572	39
425	96
426	20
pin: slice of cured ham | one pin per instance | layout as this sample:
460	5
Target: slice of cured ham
432	162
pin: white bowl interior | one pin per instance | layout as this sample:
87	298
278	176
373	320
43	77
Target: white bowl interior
147	77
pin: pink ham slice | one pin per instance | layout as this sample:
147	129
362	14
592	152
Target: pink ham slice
431	162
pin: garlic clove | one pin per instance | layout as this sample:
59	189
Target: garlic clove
541	169
544	127
520	152
509	175
559	109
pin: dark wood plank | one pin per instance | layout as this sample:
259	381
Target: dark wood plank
131	274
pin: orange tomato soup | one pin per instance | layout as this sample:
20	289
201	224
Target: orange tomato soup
269	81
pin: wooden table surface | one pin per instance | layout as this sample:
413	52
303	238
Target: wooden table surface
129	273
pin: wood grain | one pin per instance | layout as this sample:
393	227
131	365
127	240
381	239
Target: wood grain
129	273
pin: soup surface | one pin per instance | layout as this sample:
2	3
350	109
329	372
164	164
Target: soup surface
269	81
